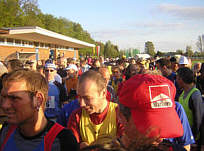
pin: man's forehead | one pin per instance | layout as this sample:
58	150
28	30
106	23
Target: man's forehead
87	85
14	86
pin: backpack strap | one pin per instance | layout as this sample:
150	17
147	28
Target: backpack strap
62	91
51	135
11	129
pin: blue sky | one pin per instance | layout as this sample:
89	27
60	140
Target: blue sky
169	24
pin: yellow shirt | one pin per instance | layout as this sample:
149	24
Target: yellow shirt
101	133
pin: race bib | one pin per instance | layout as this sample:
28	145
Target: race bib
51	102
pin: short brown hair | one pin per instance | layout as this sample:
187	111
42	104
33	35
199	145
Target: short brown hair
164	62
116	68
94	76
15	64
34	80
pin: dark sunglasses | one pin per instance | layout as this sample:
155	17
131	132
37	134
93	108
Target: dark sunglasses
49	70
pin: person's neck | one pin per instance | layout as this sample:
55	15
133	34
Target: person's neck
167	72
51	80
103	106
35	125
188	87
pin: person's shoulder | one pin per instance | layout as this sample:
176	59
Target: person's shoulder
53	84
173	74
172	146
178	147
76	113
66	134
68	140
199	78
72	104
178	106
4	131
113	103
196	94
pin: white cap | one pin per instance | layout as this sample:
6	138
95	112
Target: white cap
72	66
50	65
183	60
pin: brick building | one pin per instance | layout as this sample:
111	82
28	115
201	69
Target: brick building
37	43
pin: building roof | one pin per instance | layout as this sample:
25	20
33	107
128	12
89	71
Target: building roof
37	34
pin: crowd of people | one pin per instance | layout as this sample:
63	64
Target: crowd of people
92	104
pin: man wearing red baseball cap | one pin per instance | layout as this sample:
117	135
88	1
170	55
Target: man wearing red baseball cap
150	100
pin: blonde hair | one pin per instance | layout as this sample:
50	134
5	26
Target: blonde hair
33	79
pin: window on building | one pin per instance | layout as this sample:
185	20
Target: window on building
42	45
9	41
25	43
30	43
2	40
17	42
47	45
36	44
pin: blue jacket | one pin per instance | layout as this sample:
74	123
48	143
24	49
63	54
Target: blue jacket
66	112
187	137
53	107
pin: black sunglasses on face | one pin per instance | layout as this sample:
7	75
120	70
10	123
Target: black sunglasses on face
49	70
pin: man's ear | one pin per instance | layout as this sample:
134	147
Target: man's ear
104	92
164	67
39	99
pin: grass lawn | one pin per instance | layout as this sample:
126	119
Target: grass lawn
195	61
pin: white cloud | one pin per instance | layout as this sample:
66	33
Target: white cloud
166	35
111	32
159	25
130	38
182	11
137	29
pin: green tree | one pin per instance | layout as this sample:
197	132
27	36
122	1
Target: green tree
160	54
31	13
107	49
110	50
149	48
200	43
135	51
11	14
179	52
189	51
14	13
121	53
49	22
114	51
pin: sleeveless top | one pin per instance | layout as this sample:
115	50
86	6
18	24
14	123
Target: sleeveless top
45	145
185	102
100	133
